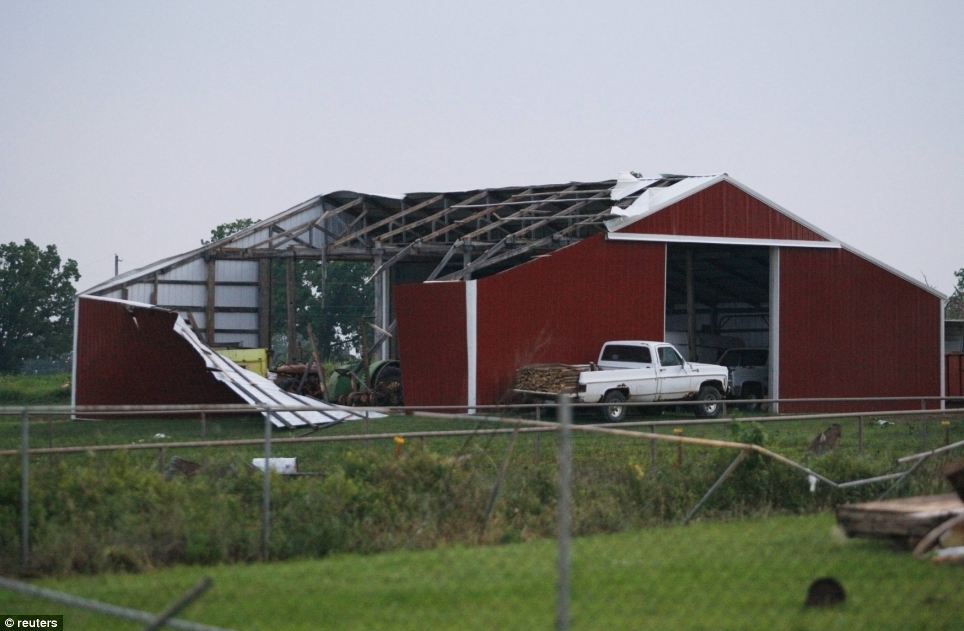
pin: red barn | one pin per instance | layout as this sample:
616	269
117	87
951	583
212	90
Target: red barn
703	255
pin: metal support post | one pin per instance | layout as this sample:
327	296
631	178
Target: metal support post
565	514
266	490
24	490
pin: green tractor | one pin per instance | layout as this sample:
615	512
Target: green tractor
347	384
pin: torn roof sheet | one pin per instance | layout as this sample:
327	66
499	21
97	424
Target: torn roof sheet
257	390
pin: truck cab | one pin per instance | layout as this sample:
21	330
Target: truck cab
636	370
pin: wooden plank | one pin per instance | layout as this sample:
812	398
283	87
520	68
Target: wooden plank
906	519
264	304
387	220
429	218
290	308
209	301
449	227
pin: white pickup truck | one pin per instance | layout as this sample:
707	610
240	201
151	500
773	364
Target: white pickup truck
634	370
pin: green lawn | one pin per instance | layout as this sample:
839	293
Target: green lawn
735	575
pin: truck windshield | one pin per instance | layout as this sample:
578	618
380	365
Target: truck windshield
635	354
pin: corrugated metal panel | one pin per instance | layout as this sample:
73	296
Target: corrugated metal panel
182	295
431	340
252	239
138	355
236	271
134	357
195	270
562	307
851	329
723	210
141	292
231	296
247	321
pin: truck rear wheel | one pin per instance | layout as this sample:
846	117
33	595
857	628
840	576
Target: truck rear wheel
711	406
614	412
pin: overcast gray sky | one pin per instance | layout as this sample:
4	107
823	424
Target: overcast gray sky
135	127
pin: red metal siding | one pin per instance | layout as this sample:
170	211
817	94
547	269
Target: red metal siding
132	356
851	329
562	307
723	210
431	343
955	375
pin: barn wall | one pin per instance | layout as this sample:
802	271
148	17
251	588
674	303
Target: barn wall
560	308
132	356
723	210
432	343
852	329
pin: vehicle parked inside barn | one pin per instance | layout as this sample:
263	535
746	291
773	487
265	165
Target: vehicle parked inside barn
630	371
749	373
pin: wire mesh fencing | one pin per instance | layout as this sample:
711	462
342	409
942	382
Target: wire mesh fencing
507	518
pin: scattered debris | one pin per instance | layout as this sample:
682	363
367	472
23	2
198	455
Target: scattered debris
827	440
825	592
161	436
812	479
284	466
883	423
180	466
906	520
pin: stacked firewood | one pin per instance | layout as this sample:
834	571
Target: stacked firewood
549	378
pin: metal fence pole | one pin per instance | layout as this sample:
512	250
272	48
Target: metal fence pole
266	490
565	514
860	435
24	490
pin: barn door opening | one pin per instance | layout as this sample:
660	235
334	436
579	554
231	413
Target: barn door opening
717	299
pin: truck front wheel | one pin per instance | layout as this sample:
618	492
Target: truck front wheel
711	406
614	413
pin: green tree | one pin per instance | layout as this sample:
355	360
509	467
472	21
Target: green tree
36	303
225	230
333	298
955	304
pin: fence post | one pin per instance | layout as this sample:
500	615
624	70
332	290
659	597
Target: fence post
204	426
860	435
266	490
24	490
652	446
565	515
538	435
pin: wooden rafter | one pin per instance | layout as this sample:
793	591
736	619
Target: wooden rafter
427	219
387	220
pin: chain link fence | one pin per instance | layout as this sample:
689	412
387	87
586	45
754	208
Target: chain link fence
524	517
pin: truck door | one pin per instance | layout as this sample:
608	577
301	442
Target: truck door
674	379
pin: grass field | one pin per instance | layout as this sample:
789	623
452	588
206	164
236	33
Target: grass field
734	575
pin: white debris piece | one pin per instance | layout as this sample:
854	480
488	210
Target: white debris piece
284	466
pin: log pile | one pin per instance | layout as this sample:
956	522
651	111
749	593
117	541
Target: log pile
549	378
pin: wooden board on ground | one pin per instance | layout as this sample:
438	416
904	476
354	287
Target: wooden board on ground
906	520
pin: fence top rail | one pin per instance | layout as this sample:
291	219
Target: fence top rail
245	408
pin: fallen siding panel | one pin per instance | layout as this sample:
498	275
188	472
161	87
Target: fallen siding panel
135	354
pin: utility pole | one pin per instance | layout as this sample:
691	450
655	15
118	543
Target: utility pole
117	261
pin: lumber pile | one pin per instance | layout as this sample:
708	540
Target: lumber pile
549	378
906	520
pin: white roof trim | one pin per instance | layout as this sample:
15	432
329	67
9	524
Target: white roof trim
679	238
